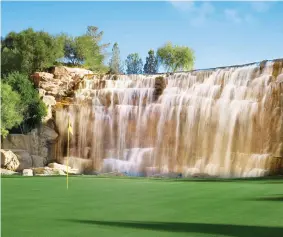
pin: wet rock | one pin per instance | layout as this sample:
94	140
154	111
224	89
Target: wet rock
49	101
159	86
79	164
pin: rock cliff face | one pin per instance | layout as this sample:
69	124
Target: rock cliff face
34	149
37	148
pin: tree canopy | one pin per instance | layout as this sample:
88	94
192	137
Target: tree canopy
175	58
151	64
11	111
29	51
86	50
134	64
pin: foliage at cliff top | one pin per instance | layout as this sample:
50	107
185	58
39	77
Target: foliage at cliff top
11	111
86	50
31	105
176	58
29	51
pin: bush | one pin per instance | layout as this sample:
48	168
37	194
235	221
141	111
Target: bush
33	108
11	112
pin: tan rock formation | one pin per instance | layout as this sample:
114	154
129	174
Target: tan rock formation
64	168
9	160
38	143
46	171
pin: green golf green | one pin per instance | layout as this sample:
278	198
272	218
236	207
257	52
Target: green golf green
42	207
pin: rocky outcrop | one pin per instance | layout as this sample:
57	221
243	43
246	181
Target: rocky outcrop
35	149
58	83
9	160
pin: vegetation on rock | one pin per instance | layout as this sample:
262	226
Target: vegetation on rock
32	107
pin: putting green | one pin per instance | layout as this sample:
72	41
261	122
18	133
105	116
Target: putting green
42	207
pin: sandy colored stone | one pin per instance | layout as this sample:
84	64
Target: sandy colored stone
27	172
46	171
8	172
9	160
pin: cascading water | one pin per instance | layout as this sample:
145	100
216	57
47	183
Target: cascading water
224	122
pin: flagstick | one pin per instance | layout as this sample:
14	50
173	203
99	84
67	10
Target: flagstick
68	151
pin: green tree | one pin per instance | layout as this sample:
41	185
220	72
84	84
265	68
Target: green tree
11	111
176	57
151	63
86	50
134	64
115	64
29	51
31	105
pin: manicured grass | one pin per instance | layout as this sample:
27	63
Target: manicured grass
42	207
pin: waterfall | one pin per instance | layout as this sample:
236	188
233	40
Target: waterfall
223	122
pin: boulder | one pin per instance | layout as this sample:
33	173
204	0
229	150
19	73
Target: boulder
27	172
49	100
58	71
64	168
46	171
9	160
48	133
81	72
41	92
8	172
24	158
